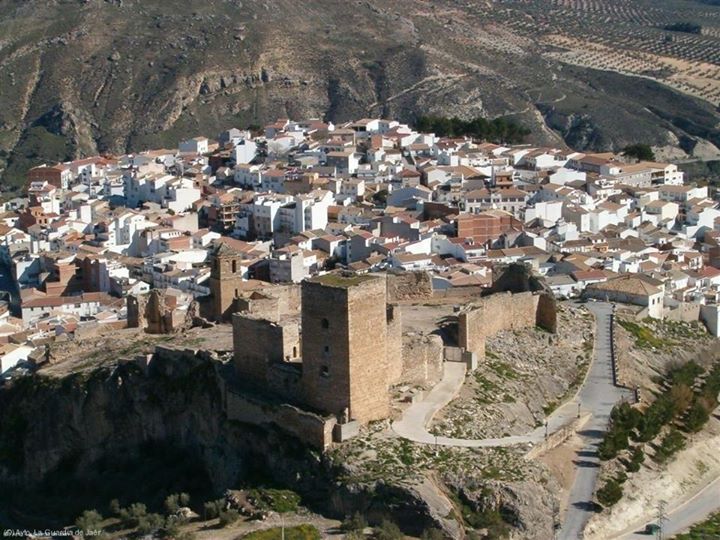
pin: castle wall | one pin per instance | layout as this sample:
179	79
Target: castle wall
422	359
258	343
259	305
503	311
409	286
394	345
308	427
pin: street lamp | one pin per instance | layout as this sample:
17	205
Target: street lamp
546	429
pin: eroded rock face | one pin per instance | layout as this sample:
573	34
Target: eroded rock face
70	428
526	505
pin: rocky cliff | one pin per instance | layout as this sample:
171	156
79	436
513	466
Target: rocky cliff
139	431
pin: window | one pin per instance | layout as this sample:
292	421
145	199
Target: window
325	323
324	371
234	267
326	349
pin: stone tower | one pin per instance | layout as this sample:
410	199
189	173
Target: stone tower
225	279
344	346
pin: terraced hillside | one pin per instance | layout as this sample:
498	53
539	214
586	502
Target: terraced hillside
86	76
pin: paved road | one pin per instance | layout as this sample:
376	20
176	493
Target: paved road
413	424
415	419
683	516
597	396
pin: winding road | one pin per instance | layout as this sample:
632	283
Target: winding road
597	396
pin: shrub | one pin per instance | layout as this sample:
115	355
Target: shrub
150	523
277	500
432	534
299	532
681	396
610	493
615	440
213	508
89	521
114	507
228	517
130	517
671	443
354	523
625	416
637	456
172	503
387	530
696	417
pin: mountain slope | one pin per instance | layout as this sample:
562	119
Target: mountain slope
85	76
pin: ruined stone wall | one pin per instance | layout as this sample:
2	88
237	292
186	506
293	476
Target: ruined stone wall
284	379
503	311
259	305
308	427
136	311
257	343
409	286
547	313
289	298
422	359
151	313
394	345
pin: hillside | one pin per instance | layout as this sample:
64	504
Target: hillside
85	76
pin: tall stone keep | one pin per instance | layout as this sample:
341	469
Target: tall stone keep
225	279
344	346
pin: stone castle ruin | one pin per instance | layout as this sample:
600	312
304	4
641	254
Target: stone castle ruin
339	350
339	355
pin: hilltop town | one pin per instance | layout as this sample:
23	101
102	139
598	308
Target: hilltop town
366	290
299	198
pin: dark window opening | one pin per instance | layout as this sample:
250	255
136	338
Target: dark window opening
325	323
324	371
234	267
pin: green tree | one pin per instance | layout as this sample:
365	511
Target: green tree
130	517
696	417
150	523
89	522
387	530
643	152
228	517
213	508
610	493
671	443
354	523
171	503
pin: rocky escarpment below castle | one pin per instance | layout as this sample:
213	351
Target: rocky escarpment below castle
138	431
